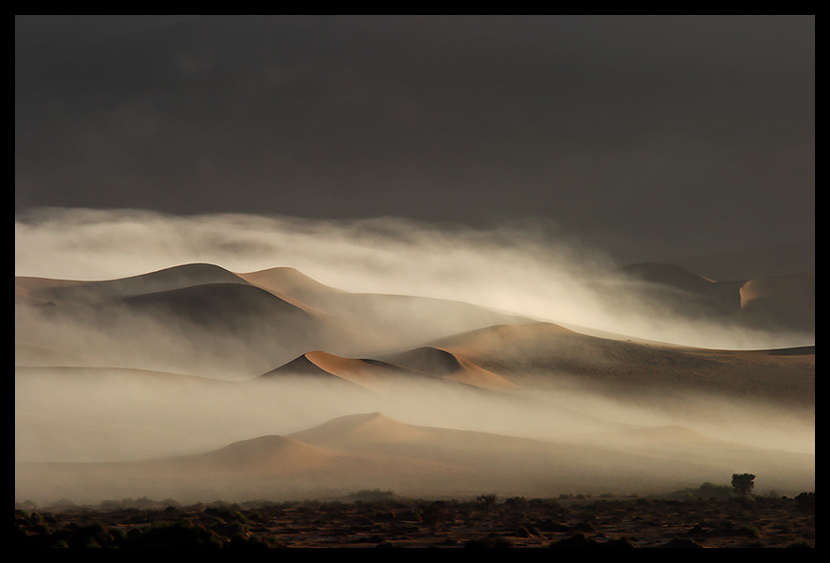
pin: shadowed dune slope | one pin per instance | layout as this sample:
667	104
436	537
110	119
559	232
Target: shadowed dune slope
223	305
236	327
393	321
203	310
529	354
176	277
296	312
290	283
370	374
422	365
440	363
428	360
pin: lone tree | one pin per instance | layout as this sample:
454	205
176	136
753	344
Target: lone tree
743	483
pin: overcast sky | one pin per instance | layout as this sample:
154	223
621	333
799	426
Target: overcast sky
649	135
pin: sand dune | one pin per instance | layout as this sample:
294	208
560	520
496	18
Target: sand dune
393	321
526	353
277	314
370	374
38	291
378	433
361	430
234	327
176	277
292	285
423	364
365	450
228	326
273	456
440	363
564	411
266	464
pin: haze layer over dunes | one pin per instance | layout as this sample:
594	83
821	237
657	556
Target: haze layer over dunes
196	382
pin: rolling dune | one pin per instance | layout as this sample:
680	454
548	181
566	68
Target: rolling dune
388	321
365	450
209	314
291	285
197	383
384	375
370	374
208	326
532	352
175	277
441	363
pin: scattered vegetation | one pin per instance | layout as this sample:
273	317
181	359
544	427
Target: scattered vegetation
743	483
383	519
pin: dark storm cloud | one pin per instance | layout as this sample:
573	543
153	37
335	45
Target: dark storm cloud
682	133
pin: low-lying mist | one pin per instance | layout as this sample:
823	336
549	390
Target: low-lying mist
86	414
112	416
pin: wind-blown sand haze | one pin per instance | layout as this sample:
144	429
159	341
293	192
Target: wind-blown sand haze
200	381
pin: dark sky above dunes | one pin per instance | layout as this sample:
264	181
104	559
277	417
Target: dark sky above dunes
668	135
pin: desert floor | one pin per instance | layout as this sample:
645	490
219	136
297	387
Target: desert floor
405	523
